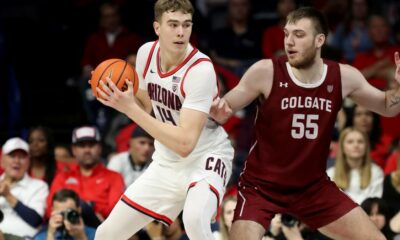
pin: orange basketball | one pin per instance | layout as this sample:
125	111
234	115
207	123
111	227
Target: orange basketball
117	70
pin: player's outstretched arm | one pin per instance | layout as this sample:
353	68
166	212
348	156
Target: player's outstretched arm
386	103
255	82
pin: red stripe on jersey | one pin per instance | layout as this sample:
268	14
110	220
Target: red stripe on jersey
163	75
146	211
194	64
212	188
149	58
215	191
218	87
192	185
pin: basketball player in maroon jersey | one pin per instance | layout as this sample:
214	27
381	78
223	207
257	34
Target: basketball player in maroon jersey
285	170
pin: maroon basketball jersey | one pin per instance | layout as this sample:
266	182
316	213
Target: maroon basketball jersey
294	127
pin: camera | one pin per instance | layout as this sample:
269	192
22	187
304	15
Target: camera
288	220
71	215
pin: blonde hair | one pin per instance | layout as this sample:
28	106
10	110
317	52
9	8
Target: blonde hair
223	229
163	6
396	174
342	168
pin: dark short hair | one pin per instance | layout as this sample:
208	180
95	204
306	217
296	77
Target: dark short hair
369	203
163	6
65	194
140	132
319	20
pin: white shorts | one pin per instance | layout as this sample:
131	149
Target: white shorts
160	192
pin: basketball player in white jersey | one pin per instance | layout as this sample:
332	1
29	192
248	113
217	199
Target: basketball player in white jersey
192	159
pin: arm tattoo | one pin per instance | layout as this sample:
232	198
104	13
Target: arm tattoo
394	100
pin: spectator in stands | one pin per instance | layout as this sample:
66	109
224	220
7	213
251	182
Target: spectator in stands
41	149
113	40
351	36
369	123
237	45
226	218
131	164
378	212
22	198
273	36
65	221
98	187
377	65
62	153
64	159
354	172
391	188
392	161
279	230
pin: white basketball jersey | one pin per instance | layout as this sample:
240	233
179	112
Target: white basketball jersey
192	85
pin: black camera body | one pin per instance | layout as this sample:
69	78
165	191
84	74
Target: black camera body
71	215
288	220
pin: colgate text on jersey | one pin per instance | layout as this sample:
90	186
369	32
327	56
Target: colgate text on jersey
164	96
307	102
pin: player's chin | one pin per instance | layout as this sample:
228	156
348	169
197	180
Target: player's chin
293	62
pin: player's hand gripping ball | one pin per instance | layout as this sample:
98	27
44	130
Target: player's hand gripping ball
117	70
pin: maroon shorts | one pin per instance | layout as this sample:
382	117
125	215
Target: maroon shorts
317	205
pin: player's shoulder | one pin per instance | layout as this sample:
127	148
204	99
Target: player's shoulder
349	72
262	67
263	64
146	48
201	61
346	68
201	55
201	69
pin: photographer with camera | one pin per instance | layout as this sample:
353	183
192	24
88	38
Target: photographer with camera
65	222
284	226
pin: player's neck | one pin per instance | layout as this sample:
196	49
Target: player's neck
310	74
169	61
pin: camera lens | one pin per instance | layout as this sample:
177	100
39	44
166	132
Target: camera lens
288	220
72	216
